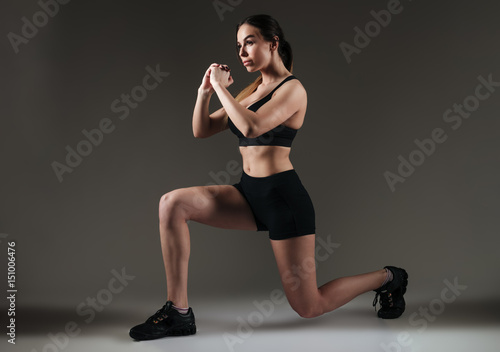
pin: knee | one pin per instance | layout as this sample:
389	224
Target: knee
169	206
308	310
167	198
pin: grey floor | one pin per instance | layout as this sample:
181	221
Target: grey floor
236	324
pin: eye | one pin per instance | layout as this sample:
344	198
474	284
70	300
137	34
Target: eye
248	42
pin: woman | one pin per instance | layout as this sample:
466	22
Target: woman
269	197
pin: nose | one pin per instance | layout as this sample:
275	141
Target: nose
243	52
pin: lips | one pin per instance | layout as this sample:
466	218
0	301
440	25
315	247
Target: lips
246	62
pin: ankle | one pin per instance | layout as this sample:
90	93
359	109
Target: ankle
182	310
388	276
179	303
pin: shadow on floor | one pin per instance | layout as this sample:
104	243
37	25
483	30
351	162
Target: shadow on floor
42	320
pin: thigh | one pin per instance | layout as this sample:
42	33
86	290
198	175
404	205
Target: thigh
284	205
297	268
220	206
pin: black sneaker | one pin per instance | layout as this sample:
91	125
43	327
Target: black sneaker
391	295
167	321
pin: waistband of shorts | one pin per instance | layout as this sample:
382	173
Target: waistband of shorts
277	175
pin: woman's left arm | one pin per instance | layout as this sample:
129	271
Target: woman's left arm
286	102
242	118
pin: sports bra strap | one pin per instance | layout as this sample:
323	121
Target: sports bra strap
265	99
282	82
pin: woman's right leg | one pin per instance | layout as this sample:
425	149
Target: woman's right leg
220	206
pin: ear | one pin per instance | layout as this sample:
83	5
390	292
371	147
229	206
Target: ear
275	43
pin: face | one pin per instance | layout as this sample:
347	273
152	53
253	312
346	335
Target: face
253	50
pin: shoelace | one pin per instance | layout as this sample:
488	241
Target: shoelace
159	315
385	299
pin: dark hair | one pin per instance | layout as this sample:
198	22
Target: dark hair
269	28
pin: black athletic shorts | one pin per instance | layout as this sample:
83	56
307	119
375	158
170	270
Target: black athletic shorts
280	204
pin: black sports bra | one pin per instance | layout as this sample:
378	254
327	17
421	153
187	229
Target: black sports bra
280	135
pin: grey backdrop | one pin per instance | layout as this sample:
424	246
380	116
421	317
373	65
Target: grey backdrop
440	223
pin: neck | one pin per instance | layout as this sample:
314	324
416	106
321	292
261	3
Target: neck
275	71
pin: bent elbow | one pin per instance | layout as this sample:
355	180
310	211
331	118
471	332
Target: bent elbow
198	135
249	132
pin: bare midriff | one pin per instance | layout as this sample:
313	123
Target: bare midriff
262	161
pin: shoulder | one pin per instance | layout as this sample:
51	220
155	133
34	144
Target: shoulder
293	87
295	83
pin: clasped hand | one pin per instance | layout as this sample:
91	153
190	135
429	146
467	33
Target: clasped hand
220	74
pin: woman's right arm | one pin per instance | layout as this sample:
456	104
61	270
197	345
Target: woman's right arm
205	124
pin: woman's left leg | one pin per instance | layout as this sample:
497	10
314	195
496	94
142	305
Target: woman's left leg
297	267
